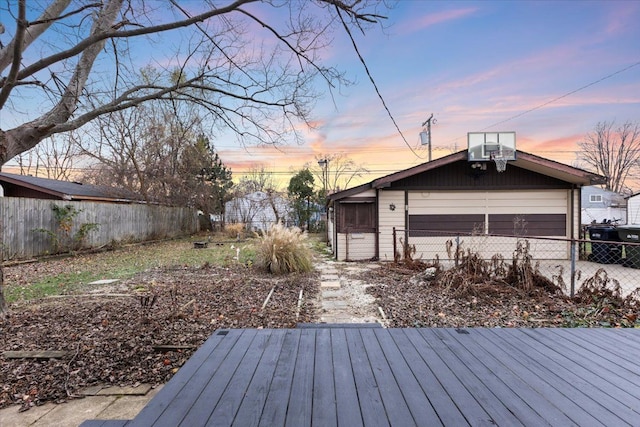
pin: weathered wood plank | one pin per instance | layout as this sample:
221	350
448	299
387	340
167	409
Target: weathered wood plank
557	391
219	378
230	400
612	358
438	397
395	405
20	216
371	406
35	354
614	344
254	401
301	397
482	392
275	411
370	376
414	396
473	412
347	403
531	407
613	392
324	411
175	399
588	397
104	423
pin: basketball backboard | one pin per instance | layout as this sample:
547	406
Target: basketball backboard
485	146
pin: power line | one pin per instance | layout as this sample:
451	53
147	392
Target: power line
562	96
375	86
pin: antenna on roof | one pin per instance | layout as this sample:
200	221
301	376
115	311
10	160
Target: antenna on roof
425	135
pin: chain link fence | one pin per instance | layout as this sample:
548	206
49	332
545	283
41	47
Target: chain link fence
611	253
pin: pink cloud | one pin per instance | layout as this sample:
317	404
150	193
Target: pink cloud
425	21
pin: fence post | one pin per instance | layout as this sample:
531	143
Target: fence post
405	247
395	247
573	267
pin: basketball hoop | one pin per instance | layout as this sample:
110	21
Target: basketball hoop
500	161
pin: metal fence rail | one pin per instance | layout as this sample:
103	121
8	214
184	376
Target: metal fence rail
567	262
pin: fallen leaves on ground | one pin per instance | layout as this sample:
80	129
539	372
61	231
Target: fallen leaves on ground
110	334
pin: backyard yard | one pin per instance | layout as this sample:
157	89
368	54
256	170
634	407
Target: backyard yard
169	297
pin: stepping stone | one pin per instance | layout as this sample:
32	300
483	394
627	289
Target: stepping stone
329	277
104	281
331	294
333	305
330	285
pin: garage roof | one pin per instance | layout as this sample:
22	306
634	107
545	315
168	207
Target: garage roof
67	190
523	160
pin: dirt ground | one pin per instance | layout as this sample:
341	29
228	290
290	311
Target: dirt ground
112	334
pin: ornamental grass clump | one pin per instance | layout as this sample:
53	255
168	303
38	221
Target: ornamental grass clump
284	250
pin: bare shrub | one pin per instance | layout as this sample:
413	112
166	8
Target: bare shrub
235	231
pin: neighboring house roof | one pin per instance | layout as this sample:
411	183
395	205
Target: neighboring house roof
66	190
607	198
523	160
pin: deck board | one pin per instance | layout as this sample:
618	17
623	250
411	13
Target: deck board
251	406
274	412
324	391
353	376
367	389
347	403
419	405
575	382
512	393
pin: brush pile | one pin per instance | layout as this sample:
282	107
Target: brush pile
471	291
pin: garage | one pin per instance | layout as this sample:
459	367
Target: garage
452	196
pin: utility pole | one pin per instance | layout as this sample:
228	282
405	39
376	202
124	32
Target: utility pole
425	135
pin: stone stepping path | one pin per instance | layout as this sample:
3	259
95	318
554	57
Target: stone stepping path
342	298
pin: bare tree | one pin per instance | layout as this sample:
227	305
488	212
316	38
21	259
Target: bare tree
259	180
337	173
78	61
53	158
612	152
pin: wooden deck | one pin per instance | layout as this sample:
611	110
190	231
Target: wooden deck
402	377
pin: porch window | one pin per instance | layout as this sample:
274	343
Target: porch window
357	218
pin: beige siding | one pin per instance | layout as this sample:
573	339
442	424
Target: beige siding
491	202
356	246
387	219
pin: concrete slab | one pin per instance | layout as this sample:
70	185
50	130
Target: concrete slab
140	390
12	417
329	277
91	391
126	407
75	412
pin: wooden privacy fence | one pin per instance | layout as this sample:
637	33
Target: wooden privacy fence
20	217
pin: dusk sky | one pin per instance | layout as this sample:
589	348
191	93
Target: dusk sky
547	70
550	71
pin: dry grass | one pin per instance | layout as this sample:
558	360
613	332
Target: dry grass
284	250
234	231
